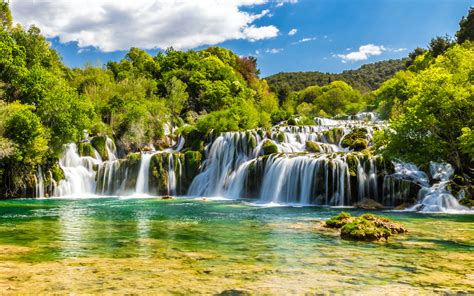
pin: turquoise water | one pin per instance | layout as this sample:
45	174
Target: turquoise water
198	246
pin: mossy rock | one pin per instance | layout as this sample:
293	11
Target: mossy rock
57	172
356	139
134	158
368	204
99	143
85	149
352	163
367	227
251	142
269	147
281	137
291	121
313	147
364	230
340	220
333	136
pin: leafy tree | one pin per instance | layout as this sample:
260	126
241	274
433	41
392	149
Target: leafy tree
440	44
466	27
437	112
177	96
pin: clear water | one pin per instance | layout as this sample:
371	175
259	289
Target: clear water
107	245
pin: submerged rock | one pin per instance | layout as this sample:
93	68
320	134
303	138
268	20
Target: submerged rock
367	227
167	197
368	204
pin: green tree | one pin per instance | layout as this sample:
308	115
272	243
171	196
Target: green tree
177	96
466	27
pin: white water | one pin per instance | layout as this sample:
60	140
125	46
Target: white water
78	172
436	198
234	168
143	174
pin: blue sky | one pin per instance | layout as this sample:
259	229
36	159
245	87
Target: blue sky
327	35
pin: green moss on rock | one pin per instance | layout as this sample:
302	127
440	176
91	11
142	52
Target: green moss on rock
367	227
99	143
269	147
313	147
340	220
291	121
334	135
356	139
85	149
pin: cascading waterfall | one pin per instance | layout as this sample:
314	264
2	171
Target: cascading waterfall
437	198
78	172
310	167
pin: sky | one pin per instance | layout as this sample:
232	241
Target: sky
284	35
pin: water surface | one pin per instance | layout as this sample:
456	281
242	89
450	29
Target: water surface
113	245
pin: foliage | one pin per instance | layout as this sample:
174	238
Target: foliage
436	111
466	27
335	98
365	79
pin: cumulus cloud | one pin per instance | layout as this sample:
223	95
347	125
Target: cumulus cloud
364	52
111	25
292	32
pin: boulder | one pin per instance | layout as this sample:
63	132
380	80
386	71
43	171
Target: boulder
368	204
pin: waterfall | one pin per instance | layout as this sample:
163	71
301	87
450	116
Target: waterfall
304	165
436	198
39	188
143	174
78	172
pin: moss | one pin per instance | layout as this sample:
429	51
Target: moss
57	172
367	227
364	230
251	142
281	137
356	139
99	144
269	147
192	165
352	162
85	149
134	157
333	136
313	147
340	220
368	204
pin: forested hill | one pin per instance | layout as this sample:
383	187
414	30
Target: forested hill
367	78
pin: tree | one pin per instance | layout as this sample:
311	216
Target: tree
5	16
466	27
440	44
177	96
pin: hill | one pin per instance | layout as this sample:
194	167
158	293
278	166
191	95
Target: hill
367	78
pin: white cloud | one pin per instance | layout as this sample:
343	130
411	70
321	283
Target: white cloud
399	49
292	32
304	40
364	52
283	2
118	25
274	50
